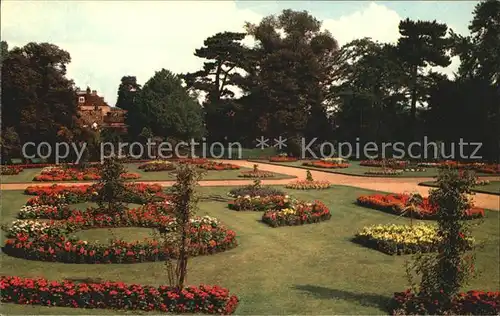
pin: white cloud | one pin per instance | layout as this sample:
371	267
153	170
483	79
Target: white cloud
110	39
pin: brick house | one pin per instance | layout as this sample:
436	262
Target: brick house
95	112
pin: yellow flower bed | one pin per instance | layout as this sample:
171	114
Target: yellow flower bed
400	239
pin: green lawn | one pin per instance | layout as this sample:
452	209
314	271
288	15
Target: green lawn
492	188
356	170
310	269
27	175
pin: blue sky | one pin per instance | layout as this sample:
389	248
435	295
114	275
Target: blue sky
111	39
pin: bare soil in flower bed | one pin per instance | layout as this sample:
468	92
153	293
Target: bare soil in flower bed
306	270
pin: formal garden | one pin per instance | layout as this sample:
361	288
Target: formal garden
118	246
223	190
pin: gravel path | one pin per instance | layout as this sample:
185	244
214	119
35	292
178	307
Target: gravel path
393	185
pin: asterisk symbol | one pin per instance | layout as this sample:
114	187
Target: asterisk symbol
280	142
262	142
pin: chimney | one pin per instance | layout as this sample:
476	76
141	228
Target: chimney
94	92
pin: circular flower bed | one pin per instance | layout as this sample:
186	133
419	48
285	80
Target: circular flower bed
57	173
337	160
299	214
396	204
51	241
117	295
385	172
10	170
399	239
325	164
308	185
157	165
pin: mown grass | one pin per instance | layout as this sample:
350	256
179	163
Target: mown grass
355	169
310	269
491	188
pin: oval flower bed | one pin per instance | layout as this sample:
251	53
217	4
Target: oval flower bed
10	170
308	185
389	163
218	166
325	164
299	214
57	195
256	173
396	204
157	165
283	159
259	204
72	174
385	172
255	190
117	295
399	239
470	303
50	241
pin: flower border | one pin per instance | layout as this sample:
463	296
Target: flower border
117	295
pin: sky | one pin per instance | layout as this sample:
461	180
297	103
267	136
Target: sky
110	39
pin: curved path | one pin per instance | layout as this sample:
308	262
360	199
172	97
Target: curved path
392	185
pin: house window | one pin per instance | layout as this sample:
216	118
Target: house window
81	99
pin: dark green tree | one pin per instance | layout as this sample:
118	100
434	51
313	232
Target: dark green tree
288	75
421	44
223	53
167	108
369	94
38	101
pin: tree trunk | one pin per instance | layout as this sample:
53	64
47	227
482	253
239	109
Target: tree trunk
413	109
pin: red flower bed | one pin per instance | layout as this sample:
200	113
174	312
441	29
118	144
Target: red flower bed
87	188
491	169
207	236
470	303
218	166
302	213
395	203
325	164
72	174
117	295
389	163
10	170
282	159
